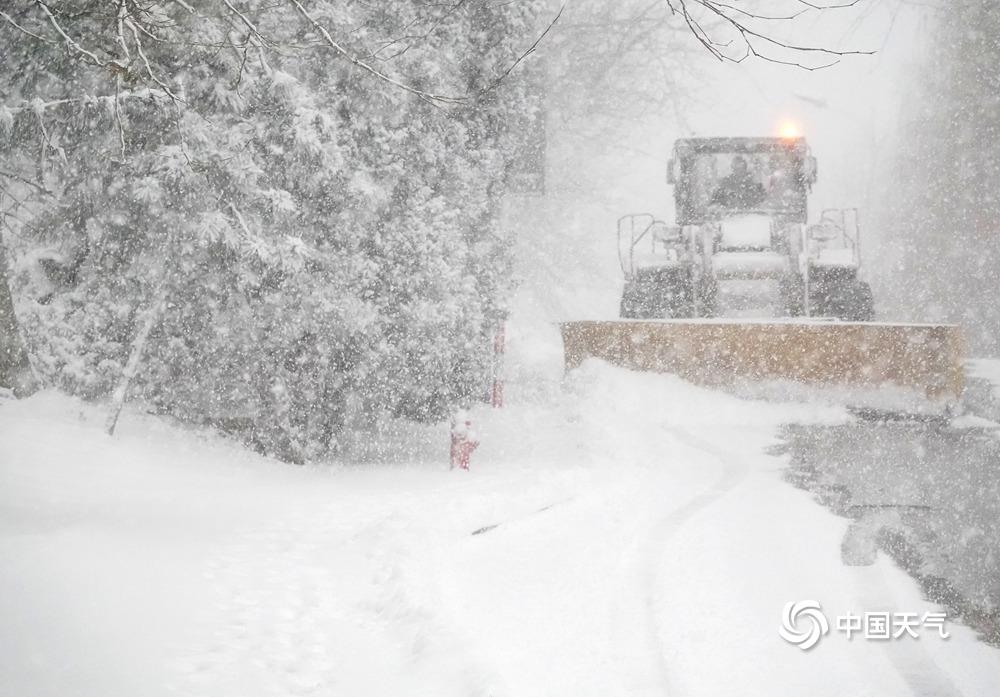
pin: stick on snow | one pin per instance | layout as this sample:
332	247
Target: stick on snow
494	526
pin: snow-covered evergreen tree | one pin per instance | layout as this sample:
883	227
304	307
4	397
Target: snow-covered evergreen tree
309	191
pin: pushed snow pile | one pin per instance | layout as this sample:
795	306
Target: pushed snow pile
982	388
987	369
627	537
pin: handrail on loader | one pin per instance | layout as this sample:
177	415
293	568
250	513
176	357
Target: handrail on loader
633	239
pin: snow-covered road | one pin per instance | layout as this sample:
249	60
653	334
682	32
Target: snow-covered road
633	538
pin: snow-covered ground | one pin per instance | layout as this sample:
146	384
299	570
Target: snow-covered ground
645	544
619	534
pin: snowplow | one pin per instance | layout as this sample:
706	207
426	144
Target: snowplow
743	288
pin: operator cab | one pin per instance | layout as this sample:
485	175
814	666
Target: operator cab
715	177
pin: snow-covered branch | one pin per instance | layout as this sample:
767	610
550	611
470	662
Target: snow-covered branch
42	105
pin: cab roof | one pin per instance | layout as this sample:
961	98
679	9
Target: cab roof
707	146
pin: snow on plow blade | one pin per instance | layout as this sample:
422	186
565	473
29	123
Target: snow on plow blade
916	358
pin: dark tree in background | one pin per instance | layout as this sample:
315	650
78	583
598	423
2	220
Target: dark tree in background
944	210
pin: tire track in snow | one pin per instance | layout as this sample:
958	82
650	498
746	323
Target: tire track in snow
911	661
734	472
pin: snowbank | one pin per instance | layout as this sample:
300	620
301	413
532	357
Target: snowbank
986	369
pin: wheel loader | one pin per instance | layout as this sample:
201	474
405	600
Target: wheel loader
744	249
744	287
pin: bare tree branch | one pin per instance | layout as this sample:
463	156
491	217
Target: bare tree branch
120	29
72	43
737	20
10	20
41	188
254	31
145	60
412	39
430	97
531	49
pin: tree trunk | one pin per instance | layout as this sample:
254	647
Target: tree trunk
150	319
15	370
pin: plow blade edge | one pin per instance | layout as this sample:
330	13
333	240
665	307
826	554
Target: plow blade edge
920	358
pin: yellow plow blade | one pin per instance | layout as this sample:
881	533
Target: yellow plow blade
921	358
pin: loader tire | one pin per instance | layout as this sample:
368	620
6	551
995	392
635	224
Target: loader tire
851	301
629	309
793	296
657	294
708	297
863	303
635	303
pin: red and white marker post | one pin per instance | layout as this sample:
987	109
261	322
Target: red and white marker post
463	440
